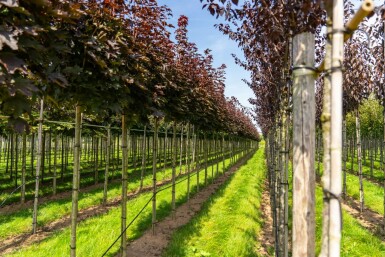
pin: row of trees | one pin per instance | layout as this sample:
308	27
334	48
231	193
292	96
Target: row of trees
114	63
280	57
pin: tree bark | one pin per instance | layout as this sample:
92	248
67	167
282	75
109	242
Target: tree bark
359	158
76	178
143	157
107	171
23	168
124	187
174	147
154	166
38	167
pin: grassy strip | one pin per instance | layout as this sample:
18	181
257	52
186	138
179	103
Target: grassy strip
97	233
230	219
65	184
356	240
20	221
373	194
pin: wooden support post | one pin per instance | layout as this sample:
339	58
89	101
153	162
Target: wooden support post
303	146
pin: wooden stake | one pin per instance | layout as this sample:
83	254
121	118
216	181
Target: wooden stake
303	146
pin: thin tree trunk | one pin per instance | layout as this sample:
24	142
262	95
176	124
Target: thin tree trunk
76	178
143	157
326	136
32	153
154	166
181	150
335	191
23	168
174	147
43	157
38	167
124	187
16	157
107	172
345	153
96	161
55	164
205	155
187	160
359	157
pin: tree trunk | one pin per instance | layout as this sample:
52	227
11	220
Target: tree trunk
96	161
38	167
154	166
174	146
359	158
124	187
55	164
345	153
23	168
335	191
187	160
181	150
326	136
76	178
143	157
303	146
107	172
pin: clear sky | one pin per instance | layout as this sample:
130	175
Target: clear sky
202	32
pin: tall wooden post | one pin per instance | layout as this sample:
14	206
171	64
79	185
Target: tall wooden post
303	146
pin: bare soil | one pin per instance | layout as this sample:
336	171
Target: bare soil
15	242
266	238
369	219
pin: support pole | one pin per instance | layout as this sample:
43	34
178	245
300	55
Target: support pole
303	146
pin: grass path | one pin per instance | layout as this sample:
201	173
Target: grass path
230	220
97	233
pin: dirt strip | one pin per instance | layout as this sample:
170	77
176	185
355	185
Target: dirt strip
266	238
150	245
23	240
369	219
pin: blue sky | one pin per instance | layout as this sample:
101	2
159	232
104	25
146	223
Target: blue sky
202	32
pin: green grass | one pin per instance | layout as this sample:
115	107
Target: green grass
356	240
229	221
20	221
97	233
65	184
373	194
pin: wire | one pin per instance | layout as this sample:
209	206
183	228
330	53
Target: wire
132	221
